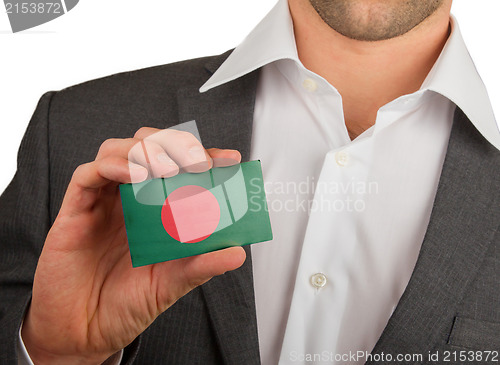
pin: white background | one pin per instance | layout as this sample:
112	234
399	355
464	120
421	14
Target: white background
98	38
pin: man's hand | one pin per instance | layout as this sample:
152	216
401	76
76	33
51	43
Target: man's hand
88	302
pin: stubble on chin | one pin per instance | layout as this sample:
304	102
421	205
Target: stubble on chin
368	20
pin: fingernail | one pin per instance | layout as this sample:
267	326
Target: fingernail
197	154
168	166
224	162
138	173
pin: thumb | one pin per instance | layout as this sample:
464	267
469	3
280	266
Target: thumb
191	272
203	267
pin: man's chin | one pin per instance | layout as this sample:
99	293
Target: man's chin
371	21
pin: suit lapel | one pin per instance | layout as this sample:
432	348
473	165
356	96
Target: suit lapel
224	117
464	219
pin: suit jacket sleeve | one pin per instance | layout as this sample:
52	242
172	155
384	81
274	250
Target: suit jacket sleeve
25	219
24	223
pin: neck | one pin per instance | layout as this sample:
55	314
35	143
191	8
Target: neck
368	75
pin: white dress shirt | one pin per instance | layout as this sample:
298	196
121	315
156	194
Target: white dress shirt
348	216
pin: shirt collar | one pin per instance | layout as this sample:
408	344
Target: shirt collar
453	75
271	40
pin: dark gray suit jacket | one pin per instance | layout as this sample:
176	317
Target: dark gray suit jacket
451	303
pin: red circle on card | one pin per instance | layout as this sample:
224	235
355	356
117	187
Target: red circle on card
190	214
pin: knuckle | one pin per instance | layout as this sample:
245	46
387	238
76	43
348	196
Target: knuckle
186	138
106	146
80	171
135	146
178	134
195	282
142	132
149	146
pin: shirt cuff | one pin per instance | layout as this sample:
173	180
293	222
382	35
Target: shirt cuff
24	359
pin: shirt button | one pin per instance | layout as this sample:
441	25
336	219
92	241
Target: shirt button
318	280
310	85
342	158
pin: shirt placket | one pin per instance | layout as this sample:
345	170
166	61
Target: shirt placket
321	281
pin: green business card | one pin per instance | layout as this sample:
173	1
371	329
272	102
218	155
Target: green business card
190	214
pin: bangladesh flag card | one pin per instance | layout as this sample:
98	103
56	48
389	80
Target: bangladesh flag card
190	214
